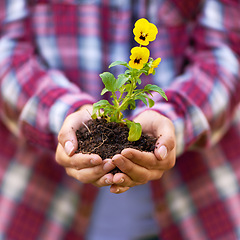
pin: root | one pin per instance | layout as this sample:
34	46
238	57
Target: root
86	127
103	141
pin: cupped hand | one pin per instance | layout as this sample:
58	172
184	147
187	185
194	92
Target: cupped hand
141	167
87	168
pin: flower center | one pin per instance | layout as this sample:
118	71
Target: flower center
143	36
137	60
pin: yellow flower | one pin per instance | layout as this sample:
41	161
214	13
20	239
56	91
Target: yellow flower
139	56
154	64
144	31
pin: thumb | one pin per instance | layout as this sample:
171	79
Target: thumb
67	135
69	147
161	152
164	146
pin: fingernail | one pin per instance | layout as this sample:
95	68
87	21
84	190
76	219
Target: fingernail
107	181
69	148
121	180
117	191
108	166
163	151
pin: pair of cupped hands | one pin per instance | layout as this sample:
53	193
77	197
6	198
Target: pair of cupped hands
137	167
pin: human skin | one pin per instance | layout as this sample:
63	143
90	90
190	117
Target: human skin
137	167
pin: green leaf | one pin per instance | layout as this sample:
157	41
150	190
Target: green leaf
135	131
155	88
109	81
154	72
145	71
142	98
100	104
151	102
94	116
125	105
94	112
132	104
118	63
139	81
121	80
145	68
128	87
135	72
104	91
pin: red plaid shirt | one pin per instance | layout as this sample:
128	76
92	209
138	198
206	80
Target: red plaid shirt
51	54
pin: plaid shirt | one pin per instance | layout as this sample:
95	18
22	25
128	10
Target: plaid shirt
51	54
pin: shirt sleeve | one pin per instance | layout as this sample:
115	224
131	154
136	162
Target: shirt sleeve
202	101
34	100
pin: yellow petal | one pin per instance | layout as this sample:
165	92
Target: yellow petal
144	31
140	31
139	56
142	22
145	54
156	62
141	42
153	31
135	50
134	65
150	70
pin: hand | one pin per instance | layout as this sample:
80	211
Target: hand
140	167
87	168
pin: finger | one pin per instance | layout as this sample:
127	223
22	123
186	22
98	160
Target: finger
67	135
169	161
106	180
123	180
135	172
160	127
77	161
117	189
165	151
164	145
148	160
166	139
91	175
144	159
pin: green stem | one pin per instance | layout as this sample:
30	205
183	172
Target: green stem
129	95
116	104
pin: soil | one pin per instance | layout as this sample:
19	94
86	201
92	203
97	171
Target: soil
108	139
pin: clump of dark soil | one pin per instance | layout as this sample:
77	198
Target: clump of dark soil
108	139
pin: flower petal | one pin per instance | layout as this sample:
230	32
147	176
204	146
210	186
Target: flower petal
142	22
139	56
156	62
153	31
144	31
145	54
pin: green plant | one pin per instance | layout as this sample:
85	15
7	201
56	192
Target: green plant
124	89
